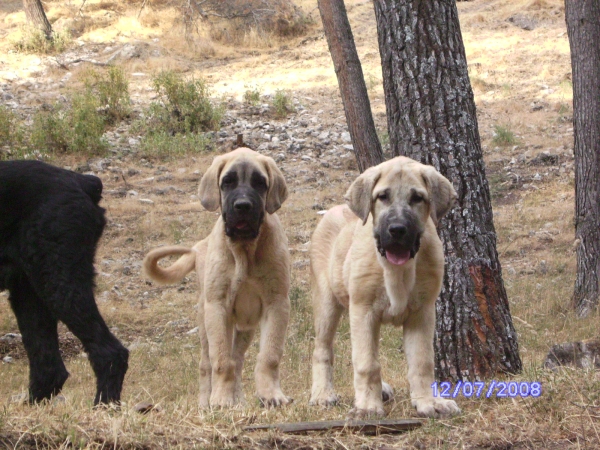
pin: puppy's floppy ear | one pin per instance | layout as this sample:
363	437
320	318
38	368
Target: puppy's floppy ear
359	196
441	192
209	192
277	192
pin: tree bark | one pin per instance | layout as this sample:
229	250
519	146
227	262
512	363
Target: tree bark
34	11
431	118
352	83
583	29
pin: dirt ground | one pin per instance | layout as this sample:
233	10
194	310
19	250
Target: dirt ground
519	65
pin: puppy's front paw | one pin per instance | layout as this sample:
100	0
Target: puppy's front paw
324	399
370	413
274	399
436	407
222	401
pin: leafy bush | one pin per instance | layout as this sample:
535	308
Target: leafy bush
503	136
11	133
75	129
252	96
282	102
35	41
183	106
164	145
112	90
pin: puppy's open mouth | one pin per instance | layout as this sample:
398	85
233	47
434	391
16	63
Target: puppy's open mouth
398	257
398	254
241	229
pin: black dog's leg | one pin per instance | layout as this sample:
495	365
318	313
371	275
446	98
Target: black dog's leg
47	372
68	231
107	355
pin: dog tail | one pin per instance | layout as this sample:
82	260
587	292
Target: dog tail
176	271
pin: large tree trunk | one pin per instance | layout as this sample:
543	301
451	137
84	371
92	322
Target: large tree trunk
34	11
352	83
583	27
431	118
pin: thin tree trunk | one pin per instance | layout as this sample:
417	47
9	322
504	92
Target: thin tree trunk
583	28
352	83
34	11
431	118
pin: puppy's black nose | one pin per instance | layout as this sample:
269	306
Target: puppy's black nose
242	205
397	231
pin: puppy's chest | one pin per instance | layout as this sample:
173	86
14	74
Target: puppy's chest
396	298
247	306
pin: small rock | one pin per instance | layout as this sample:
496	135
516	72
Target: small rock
193	330
7	359
19	398
146	201
11	338
146	407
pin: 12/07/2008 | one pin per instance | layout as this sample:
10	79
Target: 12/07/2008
498	389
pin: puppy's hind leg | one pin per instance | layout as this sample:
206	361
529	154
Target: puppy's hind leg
327	312
47	372
241	342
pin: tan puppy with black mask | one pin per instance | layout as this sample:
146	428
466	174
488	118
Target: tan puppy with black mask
243	269
380	256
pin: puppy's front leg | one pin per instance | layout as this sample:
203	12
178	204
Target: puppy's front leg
205	367
364	334
418	344
273	327
219	332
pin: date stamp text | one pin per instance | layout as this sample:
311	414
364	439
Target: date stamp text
491	389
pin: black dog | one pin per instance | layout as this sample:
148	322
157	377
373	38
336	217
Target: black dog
50	224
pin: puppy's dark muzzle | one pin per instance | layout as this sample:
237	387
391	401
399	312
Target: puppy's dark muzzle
399	240
243	217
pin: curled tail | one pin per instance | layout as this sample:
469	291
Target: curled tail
176	271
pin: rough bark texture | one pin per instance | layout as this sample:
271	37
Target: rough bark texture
583	27
352	83
34	11
431	118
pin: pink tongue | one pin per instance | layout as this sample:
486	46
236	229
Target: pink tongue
241	225
398	258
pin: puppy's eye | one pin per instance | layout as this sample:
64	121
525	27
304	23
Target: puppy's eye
416	198
227	181
259	182
383	196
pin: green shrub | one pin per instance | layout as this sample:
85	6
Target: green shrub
183	106
112	90
252	96
164	145
35	41
503	136
75	129
282	102
49	130
11	133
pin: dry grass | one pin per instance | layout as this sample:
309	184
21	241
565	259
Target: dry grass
511	69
